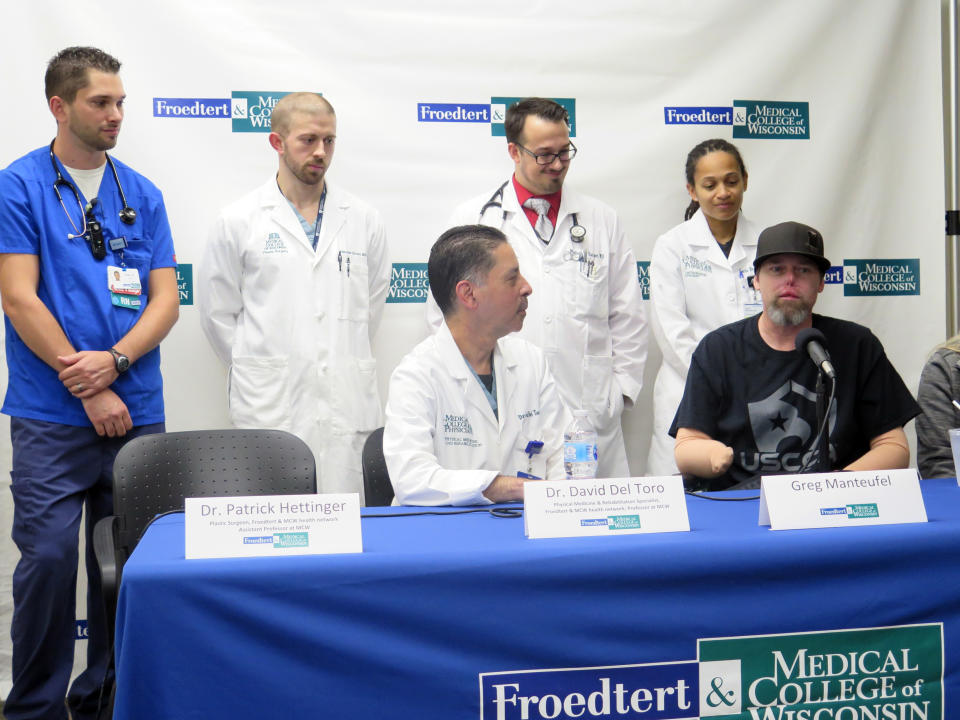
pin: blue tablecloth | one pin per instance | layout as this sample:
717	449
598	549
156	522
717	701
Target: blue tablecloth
404	629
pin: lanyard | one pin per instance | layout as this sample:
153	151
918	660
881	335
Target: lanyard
323	201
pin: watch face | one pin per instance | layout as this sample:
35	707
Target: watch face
123	362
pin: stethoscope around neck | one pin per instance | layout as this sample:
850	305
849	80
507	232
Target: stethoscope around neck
128	216
577	231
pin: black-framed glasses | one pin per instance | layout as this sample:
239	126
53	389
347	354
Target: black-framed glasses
565	155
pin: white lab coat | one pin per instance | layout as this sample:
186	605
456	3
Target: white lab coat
694	289
294	326
442	443
591	326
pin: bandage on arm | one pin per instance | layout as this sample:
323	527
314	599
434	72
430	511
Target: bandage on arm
888	451
698	454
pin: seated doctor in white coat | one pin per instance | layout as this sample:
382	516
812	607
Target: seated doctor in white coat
291	289
473	412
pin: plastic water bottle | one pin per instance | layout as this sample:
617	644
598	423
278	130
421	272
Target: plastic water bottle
580	448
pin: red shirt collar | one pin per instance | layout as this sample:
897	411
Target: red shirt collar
523	195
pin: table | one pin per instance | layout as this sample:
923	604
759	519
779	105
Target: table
404	629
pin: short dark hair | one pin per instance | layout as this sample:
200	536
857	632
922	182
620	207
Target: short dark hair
543	108
67	70
464	252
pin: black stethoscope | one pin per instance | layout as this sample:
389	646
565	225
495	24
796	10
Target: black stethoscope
128	216
577	232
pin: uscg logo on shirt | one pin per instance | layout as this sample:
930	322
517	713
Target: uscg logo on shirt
781	430
495	113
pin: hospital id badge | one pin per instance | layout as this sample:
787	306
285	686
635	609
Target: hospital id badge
125	289
124	281
752	303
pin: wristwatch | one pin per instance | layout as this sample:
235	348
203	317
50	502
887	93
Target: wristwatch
120	361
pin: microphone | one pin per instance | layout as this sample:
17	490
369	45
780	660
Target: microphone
812	341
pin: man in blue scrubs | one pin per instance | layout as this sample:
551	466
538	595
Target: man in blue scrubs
88	284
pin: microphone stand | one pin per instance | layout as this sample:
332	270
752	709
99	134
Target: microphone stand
823	449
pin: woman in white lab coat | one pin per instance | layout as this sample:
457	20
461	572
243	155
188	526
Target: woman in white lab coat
700	279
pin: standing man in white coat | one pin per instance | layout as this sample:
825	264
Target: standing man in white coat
291	290
473	414
588	315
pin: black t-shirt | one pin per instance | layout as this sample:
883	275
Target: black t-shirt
762	402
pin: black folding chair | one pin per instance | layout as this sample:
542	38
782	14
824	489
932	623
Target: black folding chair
377	489
154	473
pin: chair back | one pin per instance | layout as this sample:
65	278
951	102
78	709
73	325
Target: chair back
377	490
154	473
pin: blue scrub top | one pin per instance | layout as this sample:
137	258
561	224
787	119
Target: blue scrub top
74	287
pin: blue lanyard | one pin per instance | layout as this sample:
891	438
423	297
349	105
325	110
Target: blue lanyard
323	201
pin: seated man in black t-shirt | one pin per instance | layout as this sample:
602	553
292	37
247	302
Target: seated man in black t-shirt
749	405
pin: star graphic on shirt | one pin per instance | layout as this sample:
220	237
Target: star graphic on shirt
779	422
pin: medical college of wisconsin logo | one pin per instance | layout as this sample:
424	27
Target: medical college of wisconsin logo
887	673
757	119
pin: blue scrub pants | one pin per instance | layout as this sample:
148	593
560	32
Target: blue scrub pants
56	470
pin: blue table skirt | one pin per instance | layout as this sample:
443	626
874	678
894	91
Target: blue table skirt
403	629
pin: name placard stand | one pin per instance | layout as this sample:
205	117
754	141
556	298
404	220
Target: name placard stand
577	508
841	499
272	525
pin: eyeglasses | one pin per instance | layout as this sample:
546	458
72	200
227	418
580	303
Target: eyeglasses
548	158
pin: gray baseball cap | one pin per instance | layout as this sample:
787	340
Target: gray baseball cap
791	237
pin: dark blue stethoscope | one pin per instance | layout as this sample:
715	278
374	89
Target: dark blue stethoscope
128	216
577	231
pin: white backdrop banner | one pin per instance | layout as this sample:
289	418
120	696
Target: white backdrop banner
836	108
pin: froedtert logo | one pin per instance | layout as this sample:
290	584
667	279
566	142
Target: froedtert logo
494	113
191	107
881	277
766	119
698	116
894	672
769	119
408	283
453	112
662	691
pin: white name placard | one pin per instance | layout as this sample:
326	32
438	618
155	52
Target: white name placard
271	525
575	508
841	499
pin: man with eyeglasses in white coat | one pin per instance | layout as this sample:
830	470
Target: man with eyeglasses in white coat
587	315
